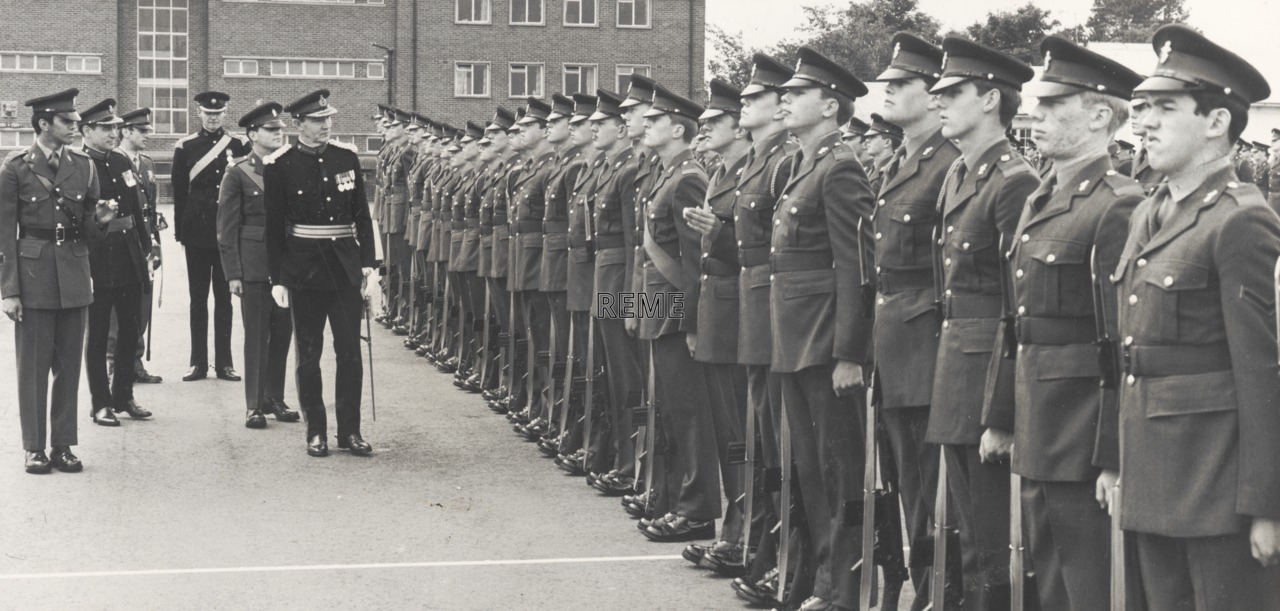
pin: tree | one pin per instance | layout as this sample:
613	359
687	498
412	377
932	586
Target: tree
1017	33
731	59
1132	20
858	36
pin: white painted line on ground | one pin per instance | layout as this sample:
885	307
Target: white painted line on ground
333	567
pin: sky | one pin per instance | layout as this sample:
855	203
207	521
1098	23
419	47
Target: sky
1251	28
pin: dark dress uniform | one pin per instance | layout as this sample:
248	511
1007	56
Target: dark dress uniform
145	175
1198	417
119	265
318	192
527	207
199	162
46	224
242	224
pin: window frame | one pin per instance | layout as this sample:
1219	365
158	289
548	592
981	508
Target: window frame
564	74
35	62
488	80
315	66
511	16
84	59
617	18
617	73
241	73
542	80
594	24
457	13
382	68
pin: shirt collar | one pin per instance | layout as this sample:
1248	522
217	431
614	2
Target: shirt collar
1066	173
1186	183
48	153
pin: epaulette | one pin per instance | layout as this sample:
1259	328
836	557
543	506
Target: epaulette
270	159
78	152
181	141
344	145
1121	184
1242	193
14	155
1011	165
841	152
693	168
234	161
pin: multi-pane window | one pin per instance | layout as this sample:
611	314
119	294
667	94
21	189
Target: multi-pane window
633	13
372	144
375	70
471	80
624	74
19	139
26	62
473	11
526	12
240	67
162	63
579	78
85	64
526	80
298	68
580	12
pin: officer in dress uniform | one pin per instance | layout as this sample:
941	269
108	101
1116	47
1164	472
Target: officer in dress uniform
199	161
50	212
135	133
880	143
983	196
320	252
119	266
1200	491
907	327
1062	426
242	219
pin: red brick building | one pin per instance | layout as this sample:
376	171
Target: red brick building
448	59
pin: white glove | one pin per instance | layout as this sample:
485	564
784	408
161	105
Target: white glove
281	295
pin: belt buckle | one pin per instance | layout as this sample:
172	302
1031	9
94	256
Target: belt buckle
59	234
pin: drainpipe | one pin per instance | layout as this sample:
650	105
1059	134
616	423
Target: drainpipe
413	61
692	3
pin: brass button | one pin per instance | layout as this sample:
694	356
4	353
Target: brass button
1142	262
1131	380
1051	258
1025	238
1022	310
1019	273
1133	300
1168	280
1128	341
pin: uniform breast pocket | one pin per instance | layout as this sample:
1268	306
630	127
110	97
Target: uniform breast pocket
912	226
1169	297
1061	278
973	255
803	217
32	195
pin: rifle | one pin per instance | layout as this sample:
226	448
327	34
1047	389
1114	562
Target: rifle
484	350
413	290
566	389
1017	577
784	506
938	585
1109	379
651	432
588	397
748	483
866	592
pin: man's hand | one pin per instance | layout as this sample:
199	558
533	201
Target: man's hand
237	287
702	220
691	340
1105	490
12	307
364	282
996	445
847	377
106	211
1264	537
157	256
281	295
632	326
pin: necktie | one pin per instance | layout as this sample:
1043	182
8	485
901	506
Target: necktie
894	164
1164	210
54	161
1047	195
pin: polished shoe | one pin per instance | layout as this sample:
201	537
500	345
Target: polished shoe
196	373
142	376
229	374
448	365
615	486
135	411
400	330
255	420
635	510
763	593
813	603
679	530
355	444
495	394
694	553
317	446
105	417
63	460
725	559
498	406
645	523
37	463
280	410
422	350
411	343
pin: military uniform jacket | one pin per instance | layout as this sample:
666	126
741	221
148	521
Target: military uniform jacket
1064	429
818	314
120	257
907	324
455	199
413	220
978	209
580	277
555	220
195	199
382	176
527	209
316	187
680	183
470	194
438	249
763	177
1198	406
874	176
47	275
242	221
645	176
497	201
1273	182
489	184
1146	175
614	218
422	194
397	190
718	296
144	172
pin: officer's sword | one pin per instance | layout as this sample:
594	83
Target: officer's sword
368	326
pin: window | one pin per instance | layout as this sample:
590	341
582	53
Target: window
633	13
375	70
8	109
19	139
84	64
296	68
240	67
580	12
526	80
471	80
472	11
579	78
372	144
162	63
624	75
26	63
526	12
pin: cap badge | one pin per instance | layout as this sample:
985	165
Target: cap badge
275	113
323	102
945	56
1048	60
897	48
1165	51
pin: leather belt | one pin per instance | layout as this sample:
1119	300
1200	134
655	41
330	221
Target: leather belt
499	218
1176	360
53	234
471	223
1055	331
124	223
752	256
716	267
458	225
322	232
800	261
890	282
254	220
972	306
577	241
486	230
609	240
527	226
555	226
